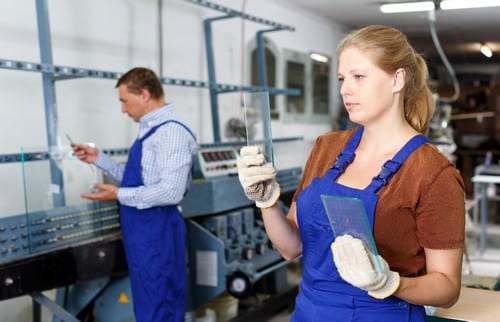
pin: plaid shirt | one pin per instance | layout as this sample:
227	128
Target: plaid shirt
167	158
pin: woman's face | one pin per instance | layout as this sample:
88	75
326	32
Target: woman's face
367	91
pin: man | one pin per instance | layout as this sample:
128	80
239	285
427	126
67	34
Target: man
152	183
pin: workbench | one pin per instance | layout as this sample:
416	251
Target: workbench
473	305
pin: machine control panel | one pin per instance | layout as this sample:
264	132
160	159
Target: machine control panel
21	235
218	161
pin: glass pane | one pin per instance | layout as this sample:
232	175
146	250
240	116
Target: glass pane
57	181
258	122
347	216
295	79
56	215
270	73
321	87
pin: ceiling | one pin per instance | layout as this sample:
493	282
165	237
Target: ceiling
460	32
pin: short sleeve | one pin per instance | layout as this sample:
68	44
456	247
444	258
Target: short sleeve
441	212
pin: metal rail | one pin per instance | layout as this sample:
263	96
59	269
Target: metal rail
234	13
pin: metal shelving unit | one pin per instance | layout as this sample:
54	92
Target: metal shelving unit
51	73
214	90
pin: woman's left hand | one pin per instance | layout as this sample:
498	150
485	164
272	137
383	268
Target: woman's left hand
358	266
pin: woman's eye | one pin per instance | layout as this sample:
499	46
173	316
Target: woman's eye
359	76
341	79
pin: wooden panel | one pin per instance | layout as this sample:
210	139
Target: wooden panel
474	305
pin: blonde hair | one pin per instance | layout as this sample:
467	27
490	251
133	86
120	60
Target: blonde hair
389	50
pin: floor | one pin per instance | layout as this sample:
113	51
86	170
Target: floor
281	317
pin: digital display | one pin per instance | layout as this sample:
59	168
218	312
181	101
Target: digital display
213	156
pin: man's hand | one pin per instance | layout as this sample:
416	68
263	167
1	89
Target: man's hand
105	192
257	177
85	152
357	265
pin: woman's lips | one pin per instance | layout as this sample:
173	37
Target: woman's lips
349	106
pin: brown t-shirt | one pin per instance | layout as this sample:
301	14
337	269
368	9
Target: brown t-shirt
422	206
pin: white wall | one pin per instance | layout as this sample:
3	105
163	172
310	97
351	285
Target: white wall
116	35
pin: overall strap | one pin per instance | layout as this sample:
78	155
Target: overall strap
346	157
390	167
153	130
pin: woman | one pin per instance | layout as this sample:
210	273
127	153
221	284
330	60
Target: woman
412	195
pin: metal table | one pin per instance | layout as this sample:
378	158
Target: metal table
483	178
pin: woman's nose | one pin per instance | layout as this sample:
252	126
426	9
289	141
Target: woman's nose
344	89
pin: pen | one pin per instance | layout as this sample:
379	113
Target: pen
69	139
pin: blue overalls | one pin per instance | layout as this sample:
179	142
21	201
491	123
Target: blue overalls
324	295
154	240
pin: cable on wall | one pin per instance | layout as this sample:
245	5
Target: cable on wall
449	68
160	38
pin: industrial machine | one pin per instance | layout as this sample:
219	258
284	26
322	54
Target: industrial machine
76	246
60	239
228	247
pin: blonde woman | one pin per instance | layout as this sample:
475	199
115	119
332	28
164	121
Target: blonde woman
411	193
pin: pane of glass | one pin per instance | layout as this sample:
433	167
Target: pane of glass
258	122
42	189
347	216
295	79
321	87
56	214
270	74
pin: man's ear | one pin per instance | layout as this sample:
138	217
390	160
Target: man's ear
399	79
146	95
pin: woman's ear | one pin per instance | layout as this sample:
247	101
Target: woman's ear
399	79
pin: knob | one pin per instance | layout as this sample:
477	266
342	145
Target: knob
8	281
238	284
247	253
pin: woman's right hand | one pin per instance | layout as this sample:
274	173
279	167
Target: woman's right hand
256	176
85	152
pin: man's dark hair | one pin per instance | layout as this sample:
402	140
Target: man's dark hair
140	78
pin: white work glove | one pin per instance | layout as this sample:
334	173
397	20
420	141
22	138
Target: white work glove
357	265
257	177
